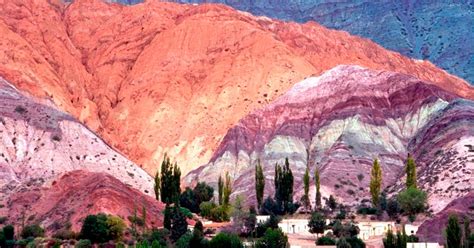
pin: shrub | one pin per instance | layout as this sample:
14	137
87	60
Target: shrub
220	214
32	231
187	199
412	201
225	240
269	207
184	240
115	226
84	243
206	208
65	234
325	240
366	210
20	109
95	228
273	238
159	235
272	223
9	232
3	219
317	223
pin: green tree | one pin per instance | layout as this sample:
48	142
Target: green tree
259	183
453	233
32	231
170	188
332	203
203	192
325	240
179	225
83	243
467	231
189	201
305	198
227	190
389	241
206	208
226	240
317	183
284	186
375	183
410	169
220	188
342	243
157	185
167	217
156	244
317	223
273	238
198	235
184	241
116	226
412	201
95	228
9	232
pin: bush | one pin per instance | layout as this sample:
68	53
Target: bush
115	226
20	109
65	234
225	240
184	240
272	223
317	223
32	231
3	219
269	207
159	235
84	243
273	238
412	201
220	214
9	232
325	240
206	208
364	210
393	208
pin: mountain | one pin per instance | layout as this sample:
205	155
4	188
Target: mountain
40	148
339	122
439	31
164	77
77	194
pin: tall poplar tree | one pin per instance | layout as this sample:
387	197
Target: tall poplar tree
283	186
317	183
157	185
220	188
410	169
453	233
170	181
259	183
375	183
227	189
306	179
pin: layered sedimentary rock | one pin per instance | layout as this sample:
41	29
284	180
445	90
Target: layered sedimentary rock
433	230
77	194
40	143
439	31
339	122
162	77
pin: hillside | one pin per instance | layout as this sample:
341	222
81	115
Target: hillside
163	77
341	121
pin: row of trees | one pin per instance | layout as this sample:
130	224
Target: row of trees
411	200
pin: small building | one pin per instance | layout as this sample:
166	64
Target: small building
423	245
374	228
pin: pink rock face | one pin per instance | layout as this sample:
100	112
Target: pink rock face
433	230
162	77
341	121
77	194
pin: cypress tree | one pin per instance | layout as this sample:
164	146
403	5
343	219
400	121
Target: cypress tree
467	231
227	189
170	181
157	185
410	169
317	183
306	189
375	183
259	183
453	233
220	187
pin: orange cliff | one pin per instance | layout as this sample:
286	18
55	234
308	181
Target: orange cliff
164	77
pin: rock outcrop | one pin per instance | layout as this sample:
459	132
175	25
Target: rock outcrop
39	143
163	77
342	120
433	229
440	31
77	194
